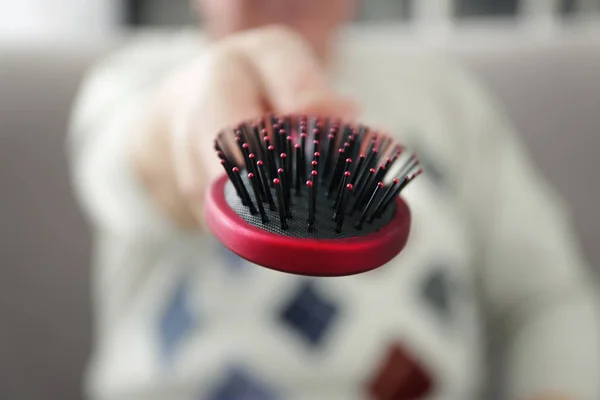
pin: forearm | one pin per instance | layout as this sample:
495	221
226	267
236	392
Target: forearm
537	288
151	158
105	177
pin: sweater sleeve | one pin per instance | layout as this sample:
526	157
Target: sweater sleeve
110	101
539	294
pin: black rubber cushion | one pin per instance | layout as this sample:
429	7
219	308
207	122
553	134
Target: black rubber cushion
298	227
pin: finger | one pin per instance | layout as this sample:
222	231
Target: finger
225	92
291	76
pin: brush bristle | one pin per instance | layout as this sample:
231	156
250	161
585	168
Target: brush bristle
350	167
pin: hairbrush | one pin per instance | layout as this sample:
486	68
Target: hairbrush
310	195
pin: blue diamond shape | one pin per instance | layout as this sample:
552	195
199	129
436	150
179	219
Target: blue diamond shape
239	385
437	292
175	322
309	313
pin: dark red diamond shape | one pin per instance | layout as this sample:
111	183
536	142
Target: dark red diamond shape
400	377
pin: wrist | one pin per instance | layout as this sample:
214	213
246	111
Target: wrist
151	158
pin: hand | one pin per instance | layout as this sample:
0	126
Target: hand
239	78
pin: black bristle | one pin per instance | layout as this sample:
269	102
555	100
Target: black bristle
342	208
363	189
344	181
303	137
267	158
317	130
290	159
280	204
388	200
239	141
346	133
314	176
287	125
299	173
265	183
249	137
372	144
378	177
338	176
409	165
244	191
352	147
315	146
388	193
275	136
234	181
388	163
287	181
311	206
224	147
338	200
401	186
337	171
260	151
252	158
285	188
363	216
301	123
384	142
249	164
358	169
274	129
390	148
330	153
370	161
398	153
272	164
346	150
241	130
282	145
363	132
316	156
374	159
216	146
257	196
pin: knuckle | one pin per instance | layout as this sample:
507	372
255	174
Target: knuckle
220	55
280	35
277	32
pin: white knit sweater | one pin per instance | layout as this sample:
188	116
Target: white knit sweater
491	250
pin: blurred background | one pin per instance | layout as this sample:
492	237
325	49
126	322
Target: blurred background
540	57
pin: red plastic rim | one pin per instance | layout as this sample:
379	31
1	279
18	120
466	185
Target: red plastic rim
311	257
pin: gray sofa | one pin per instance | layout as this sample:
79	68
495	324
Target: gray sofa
551	91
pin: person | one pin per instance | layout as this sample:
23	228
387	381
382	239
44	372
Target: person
491	266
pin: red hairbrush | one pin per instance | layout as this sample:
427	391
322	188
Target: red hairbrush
311	196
